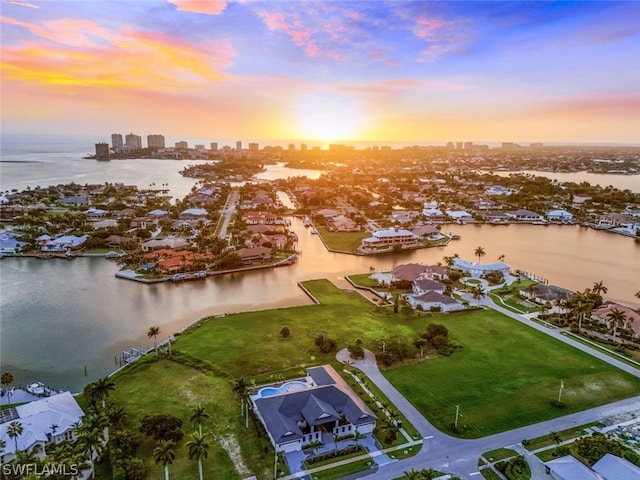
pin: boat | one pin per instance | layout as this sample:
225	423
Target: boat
455	236
37	388
185	277
112	254
306	222
313	230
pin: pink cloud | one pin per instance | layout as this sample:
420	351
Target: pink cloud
23	4
78	54
209	7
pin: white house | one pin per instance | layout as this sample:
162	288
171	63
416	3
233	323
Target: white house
497	190
63	243
9	243
36	419
525	215
388	238
559	215
434	300
459	215
478	270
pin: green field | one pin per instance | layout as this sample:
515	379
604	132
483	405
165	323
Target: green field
505	377
344	241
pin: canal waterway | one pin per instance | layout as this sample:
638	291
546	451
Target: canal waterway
58	316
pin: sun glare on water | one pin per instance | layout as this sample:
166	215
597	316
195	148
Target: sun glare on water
329	118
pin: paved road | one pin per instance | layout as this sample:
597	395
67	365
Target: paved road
459	456
228	210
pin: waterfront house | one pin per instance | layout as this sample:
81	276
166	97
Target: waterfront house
559	216
9	243
313	409
542	293
459	215
601	314
64	243
384	239
168	242
325	212
611	220
254	254
477	270
37	418
425	231
433	214
340	223
523	215
495	216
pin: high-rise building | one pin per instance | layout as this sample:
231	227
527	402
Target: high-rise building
182	145
102	150
239	145
468	145
303	147
133	141
450	145
254	147
155	142
199	146
292	147
116	141
459	145
214	146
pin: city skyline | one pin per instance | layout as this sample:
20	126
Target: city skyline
326	71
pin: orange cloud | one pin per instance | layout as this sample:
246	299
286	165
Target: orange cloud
84	54
23	4
210	7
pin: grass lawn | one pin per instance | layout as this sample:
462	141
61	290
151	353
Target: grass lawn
248	344
489	474
346	241
499	454
505	377
343	470
547	440
176	389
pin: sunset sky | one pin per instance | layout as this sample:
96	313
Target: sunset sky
334	71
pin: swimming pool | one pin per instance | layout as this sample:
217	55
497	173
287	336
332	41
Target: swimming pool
284	388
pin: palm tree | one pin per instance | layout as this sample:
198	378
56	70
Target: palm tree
5	380
412	474
555	436
165	455
617	318
479	252
91	443
336	437
357	436
99	390
199	413
198	449
581	306
478	293
154	331
599	288
14	430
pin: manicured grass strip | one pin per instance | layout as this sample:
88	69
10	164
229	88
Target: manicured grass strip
547	440
602	349
489	474
499	454
505	377
343	470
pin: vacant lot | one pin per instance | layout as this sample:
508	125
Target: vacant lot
505	377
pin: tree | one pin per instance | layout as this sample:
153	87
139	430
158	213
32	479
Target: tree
617	318
162	427
5	380
479	252
478	293
199	413
285	331
598	289
555	436
165	455
99	390
91	442
198	448
357	436
154	331
14	430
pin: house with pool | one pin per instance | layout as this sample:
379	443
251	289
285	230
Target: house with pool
311	409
